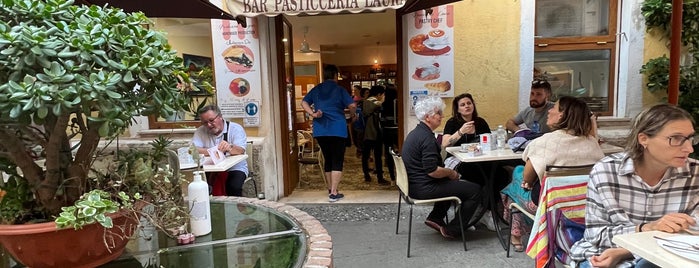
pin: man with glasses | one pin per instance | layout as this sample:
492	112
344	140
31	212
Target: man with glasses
227	137
534	117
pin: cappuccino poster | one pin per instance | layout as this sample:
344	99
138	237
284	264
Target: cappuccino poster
431	51
236	54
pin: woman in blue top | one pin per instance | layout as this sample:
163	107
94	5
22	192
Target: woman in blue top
328	101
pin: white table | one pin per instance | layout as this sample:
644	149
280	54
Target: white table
224	165
501	155
491	202
644	245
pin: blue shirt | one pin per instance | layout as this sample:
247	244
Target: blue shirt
331	99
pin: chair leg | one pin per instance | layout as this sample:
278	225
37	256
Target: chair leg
400	196
410	228
461	225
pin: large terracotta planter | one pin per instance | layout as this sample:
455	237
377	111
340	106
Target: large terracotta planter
41	245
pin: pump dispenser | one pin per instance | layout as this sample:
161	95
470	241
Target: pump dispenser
199	208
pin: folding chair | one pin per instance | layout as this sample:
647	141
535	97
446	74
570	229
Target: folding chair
402	182
249	151
554	173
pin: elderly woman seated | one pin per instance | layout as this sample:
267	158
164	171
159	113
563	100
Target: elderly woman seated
427	176
572	142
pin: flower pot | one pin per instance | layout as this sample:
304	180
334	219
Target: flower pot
42	245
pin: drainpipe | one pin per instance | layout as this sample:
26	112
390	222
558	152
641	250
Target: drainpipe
675	43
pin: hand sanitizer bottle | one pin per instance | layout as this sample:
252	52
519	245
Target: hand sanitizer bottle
199	208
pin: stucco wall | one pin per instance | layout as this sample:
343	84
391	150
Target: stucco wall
655	46
486	59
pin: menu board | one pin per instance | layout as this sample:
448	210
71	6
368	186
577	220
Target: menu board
236	53
431	55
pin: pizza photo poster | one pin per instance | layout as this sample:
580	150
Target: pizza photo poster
236	53
431	50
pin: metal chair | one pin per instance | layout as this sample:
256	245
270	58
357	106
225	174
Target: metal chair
309	156
551	173
403	194
251	179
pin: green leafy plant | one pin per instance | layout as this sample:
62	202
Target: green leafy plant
71	76
657	14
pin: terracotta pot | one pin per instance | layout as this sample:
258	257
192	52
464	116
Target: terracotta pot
42	245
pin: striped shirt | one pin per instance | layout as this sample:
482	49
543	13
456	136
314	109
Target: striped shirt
618	200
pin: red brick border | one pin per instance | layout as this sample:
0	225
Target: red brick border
319	249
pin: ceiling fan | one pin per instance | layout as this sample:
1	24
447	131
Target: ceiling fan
306	48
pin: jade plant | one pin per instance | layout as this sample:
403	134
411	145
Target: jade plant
72	76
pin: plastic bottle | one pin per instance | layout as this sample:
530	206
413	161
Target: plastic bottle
501	137
199	208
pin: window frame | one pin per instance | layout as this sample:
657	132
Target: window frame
606	42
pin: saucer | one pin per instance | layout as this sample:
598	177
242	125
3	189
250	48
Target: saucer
435	45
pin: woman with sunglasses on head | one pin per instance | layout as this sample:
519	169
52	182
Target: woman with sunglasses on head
653	185
570	143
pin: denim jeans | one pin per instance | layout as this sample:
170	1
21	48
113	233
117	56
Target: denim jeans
640	263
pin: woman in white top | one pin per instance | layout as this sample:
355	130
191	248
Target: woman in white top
573	142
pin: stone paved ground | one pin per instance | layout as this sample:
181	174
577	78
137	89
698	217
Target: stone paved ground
364	236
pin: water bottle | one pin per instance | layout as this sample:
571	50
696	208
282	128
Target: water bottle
199	209
501	135
535	127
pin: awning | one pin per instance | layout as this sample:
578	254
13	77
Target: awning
252	8
199	9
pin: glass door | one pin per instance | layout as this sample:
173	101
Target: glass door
283	40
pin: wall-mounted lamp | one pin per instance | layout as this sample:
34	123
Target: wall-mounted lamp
376	58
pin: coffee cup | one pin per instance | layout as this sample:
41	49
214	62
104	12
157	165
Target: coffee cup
437	36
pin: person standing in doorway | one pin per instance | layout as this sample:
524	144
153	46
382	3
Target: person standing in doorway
372	134
326	104
389	125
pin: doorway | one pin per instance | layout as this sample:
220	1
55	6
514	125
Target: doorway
366	53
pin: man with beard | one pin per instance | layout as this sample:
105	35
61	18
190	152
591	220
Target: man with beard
229	138
534	117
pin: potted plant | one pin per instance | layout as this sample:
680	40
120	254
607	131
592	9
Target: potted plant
71	76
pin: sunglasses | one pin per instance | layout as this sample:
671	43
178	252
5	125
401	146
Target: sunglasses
539	82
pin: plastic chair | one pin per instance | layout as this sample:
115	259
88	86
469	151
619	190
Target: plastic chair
403	194
552	173
250	152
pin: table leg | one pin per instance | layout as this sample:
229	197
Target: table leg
493	206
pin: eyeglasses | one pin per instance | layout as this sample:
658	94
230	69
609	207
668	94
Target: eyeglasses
678	140
210	121
539	82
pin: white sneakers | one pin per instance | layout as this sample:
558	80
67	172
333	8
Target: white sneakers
487	220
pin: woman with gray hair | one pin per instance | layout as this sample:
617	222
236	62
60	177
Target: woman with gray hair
427	176
653	185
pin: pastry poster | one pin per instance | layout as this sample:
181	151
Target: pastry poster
236	53
431	50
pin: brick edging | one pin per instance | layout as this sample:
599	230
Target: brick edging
319	245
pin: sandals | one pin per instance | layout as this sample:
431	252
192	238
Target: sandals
518	247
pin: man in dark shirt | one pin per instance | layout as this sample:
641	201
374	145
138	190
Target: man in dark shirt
427	176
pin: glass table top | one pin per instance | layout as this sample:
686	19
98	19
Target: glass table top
243	235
